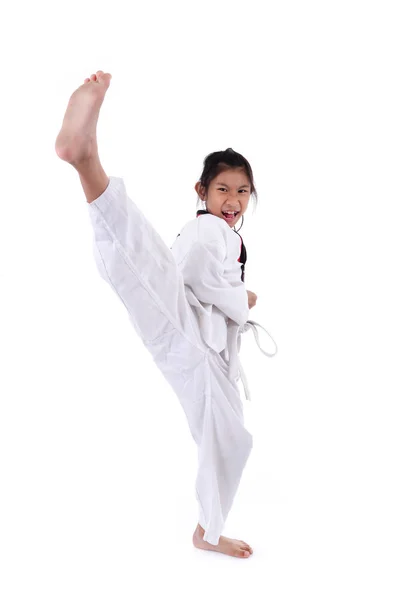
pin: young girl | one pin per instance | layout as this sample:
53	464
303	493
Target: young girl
188	303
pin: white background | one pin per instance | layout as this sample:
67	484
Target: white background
97	465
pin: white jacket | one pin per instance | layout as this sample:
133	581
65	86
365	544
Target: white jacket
207	252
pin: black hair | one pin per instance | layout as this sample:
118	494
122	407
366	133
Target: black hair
216	162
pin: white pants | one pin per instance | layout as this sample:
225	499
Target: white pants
134	260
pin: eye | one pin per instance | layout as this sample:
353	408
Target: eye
225	188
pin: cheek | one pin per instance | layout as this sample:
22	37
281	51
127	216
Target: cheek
214	205
217	204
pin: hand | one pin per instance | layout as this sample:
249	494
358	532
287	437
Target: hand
252	298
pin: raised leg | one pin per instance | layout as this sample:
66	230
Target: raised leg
129	253
77	141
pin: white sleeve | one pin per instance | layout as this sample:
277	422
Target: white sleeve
203	271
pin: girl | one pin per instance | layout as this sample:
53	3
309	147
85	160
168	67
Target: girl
188	303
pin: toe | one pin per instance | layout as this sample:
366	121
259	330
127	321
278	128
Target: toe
103	77
247	547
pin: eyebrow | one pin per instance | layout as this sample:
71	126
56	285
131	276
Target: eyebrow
221	183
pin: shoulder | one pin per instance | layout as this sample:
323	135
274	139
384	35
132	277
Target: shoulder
212	229
206	228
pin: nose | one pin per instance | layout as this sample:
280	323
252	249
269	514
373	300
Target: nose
233	205
233	201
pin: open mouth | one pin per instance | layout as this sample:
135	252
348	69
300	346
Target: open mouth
229	216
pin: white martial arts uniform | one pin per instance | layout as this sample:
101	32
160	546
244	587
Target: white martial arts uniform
189	306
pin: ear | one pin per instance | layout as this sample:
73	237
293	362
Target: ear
199	189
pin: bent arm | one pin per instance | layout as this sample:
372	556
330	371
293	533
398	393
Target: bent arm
203	271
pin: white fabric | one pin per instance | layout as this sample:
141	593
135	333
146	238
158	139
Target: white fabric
206	251
189	307
235	349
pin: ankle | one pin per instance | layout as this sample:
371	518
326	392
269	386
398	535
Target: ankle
88	166
93	178
200	530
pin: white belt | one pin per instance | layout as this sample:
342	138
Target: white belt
234	343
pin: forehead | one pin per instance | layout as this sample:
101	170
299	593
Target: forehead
232	177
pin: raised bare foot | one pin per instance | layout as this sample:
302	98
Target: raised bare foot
225	545
77	141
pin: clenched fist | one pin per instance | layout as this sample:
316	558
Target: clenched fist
252	298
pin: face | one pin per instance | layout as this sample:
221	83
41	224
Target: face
229	191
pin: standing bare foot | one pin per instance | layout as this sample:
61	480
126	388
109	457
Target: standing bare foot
225	545
77	141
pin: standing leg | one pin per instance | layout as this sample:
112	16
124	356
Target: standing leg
223	453
214	411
